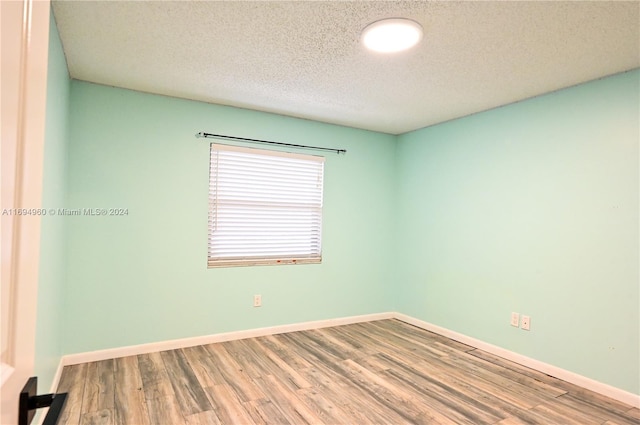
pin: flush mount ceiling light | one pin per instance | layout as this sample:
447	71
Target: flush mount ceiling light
391	35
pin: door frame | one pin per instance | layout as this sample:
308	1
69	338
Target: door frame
25	43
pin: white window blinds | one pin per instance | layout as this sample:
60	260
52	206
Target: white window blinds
265	207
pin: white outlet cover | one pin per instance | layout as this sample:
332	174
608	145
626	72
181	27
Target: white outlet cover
526	323
515	319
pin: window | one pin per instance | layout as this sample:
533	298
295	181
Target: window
265	207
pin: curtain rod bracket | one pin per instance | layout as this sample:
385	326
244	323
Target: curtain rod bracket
202	134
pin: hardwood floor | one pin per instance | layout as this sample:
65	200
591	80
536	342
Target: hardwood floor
382	372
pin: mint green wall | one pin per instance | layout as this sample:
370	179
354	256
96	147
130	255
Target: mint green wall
531	208
52	243
143	277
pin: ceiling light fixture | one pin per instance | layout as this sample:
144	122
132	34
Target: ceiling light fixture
392	35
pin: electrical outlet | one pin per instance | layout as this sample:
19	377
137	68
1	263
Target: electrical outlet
526	323
257	300
515	319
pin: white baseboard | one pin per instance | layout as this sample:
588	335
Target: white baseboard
565	375
582	381
56	377
132	350
41	414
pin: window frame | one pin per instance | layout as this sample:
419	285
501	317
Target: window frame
313	210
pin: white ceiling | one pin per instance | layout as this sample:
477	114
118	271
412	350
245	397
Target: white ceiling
304	58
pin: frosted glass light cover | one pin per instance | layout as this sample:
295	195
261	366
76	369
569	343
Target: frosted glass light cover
392	35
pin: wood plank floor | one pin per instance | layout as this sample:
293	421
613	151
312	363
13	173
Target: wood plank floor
382	372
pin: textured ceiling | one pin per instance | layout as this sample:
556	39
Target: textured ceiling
304	58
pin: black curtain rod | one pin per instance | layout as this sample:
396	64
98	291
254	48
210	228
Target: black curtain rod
244	139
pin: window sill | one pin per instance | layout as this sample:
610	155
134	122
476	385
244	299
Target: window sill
262	262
